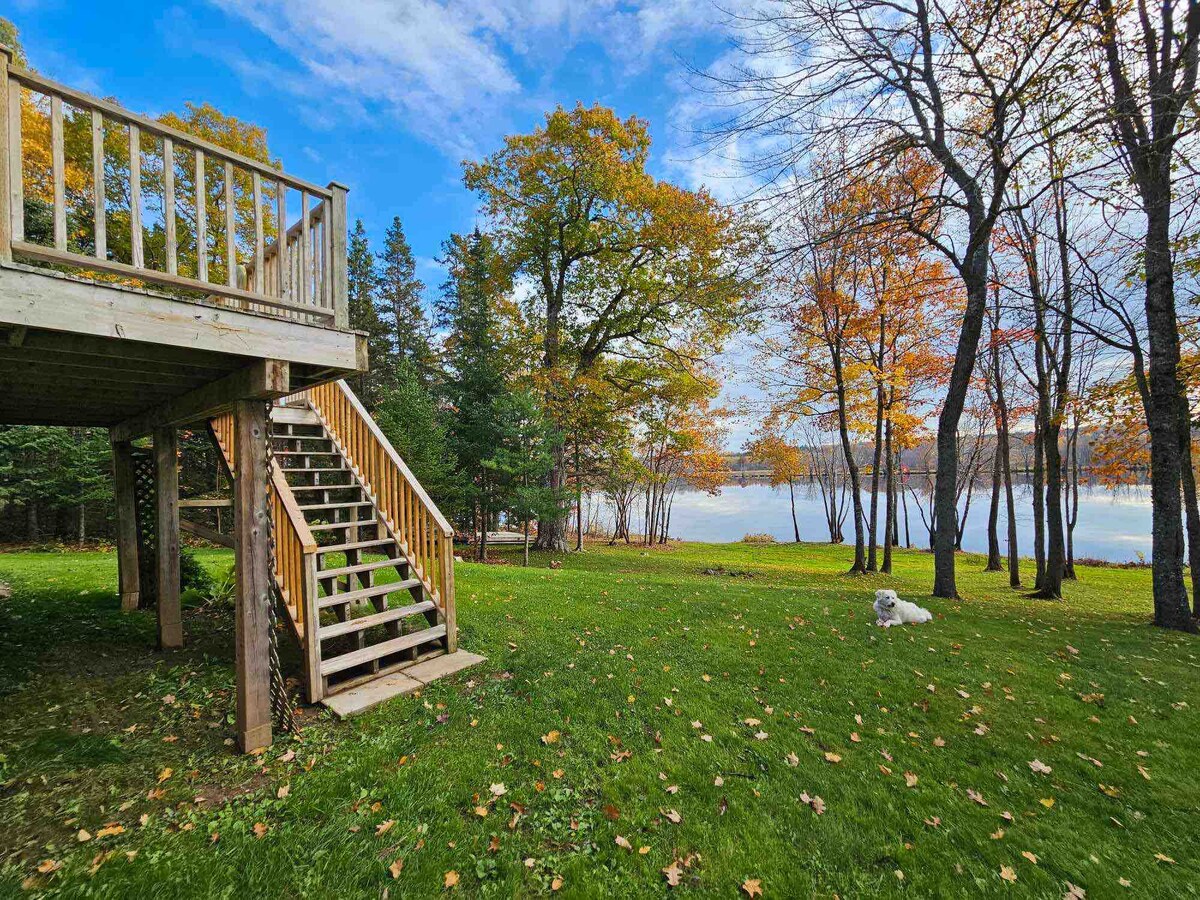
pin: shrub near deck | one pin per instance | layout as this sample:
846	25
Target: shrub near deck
638	723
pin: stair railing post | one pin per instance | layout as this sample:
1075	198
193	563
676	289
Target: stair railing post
6	150
447	561
337	256
312	628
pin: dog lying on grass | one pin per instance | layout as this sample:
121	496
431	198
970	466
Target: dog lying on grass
891	610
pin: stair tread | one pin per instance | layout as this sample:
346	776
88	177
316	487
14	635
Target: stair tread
362	567
324	487
305	469
350	504
362	623
333	526
354	545
384	648
377	590
307	453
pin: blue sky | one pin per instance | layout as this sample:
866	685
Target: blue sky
389	96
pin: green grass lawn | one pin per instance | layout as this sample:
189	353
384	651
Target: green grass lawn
637	722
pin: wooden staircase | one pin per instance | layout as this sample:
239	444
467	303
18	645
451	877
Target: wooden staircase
364	560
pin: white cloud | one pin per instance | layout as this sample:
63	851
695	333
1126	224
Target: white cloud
451	72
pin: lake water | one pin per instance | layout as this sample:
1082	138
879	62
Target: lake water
1113	525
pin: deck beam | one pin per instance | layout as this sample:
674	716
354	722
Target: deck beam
265	379
41	298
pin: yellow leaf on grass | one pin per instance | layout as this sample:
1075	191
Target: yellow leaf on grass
450	879
752	887
551	737
396	867
1008	873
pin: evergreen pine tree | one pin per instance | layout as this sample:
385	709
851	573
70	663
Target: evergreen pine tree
363	290
401	307
493	431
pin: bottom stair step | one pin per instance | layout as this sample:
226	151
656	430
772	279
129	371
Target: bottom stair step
384	648
364	695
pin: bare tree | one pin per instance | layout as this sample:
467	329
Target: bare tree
957	81
1149	57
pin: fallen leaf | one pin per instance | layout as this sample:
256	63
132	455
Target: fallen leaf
260	829
623	843
283	791
164	775
549	738
450	879
1008	873
752	887
910	779
396	867
498	790
384	827
555	883
1164	859
832	757
674	874
1040	767
673	816
84	836
1032	857
976	796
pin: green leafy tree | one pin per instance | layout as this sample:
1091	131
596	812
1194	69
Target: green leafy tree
624	265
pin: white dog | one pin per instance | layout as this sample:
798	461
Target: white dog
891	610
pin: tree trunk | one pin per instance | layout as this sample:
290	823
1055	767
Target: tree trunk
1191	510
859	566
889	512
1039	510
873	523
1004	448
1170	595
1051	587
993	558
795	524
974	275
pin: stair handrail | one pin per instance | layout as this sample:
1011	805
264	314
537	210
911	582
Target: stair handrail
425	535
295	546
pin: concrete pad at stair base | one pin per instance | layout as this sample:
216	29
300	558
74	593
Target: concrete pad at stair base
359	699
441	666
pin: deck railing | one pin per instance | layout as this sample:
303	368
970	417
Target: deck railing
102	173
425	535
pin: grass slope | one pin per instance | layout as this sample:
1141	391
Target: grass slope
634	714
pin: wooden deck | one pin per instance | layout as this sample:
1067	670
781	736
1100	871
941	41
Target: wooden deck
149	280
169	265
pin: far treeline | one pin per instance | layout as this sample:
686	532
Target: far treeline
967	231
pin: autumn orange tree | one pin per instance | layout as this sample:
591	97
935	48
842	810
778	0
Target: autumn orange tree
621	265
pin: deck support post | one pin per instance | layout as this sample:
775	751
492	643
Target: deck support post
127	543
252	559
166	467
